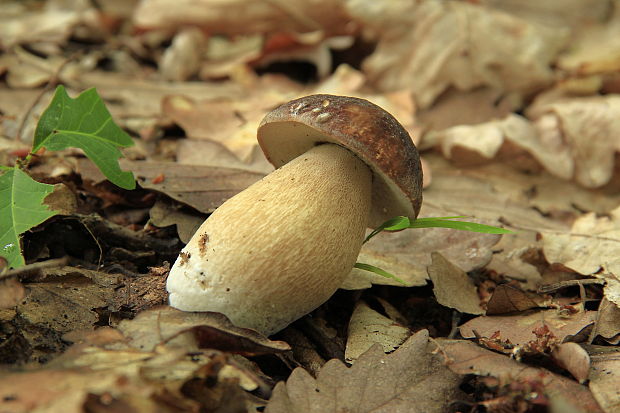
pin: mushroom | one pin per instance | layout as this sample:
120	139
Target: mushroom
279	249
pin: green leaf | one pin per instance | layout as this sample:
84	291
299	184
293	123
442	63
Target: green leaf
379	271
85	123
21	208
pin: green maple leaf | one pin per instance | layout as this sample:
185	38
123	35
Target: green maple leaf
21	208
85	123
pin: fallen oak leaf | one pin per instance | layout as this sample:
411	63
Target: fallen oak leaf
468	358
411	379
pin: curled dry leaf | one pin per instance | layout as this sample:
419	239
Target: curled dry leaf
519	329
584	131
608	322
592	247
411	379
368	327
428	47
452	287
210	330
573	358
182	59
467	358
596	47
510	139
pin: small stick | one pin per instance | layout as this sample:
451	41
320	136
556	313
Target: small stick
35	266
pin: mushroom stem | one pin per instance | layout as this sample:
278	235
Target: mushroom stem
280	248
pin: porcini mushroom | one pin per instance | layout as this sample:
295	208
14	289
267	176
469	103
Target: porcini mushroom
279	249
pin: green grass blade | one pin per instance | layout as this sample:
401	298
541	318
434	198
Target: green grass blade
378	271
400	223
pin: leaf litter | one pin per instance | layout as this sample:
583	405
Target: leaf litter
516	128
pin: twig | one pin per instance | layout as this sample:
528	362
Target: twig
568	283
35	266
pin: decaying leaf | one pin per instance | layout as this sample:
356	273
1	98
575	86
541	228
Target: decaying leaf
367	327
452	287
518	329
467	358
411	379
509	299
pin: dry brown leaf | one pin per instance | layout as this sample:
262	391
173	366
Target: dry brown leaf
467	358
234	17
411	379
604	379
367	327
209	330
573	358
87	378
428	47
518	329
592	247
452	287
508	299
201	187
210	153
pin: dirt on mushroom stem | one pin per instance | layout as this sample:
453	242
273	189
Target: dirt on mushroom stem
282	247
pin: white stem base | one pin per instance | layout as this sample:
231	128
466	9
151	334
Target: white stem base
282	247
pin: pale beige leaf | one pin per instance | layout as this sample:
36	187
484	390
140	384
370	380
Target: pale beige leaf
452	287
368	327
592	247
428	47
588	129
573	358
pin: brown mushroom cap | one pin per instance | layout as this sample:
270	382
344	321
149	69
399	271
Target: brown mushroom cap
365	129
